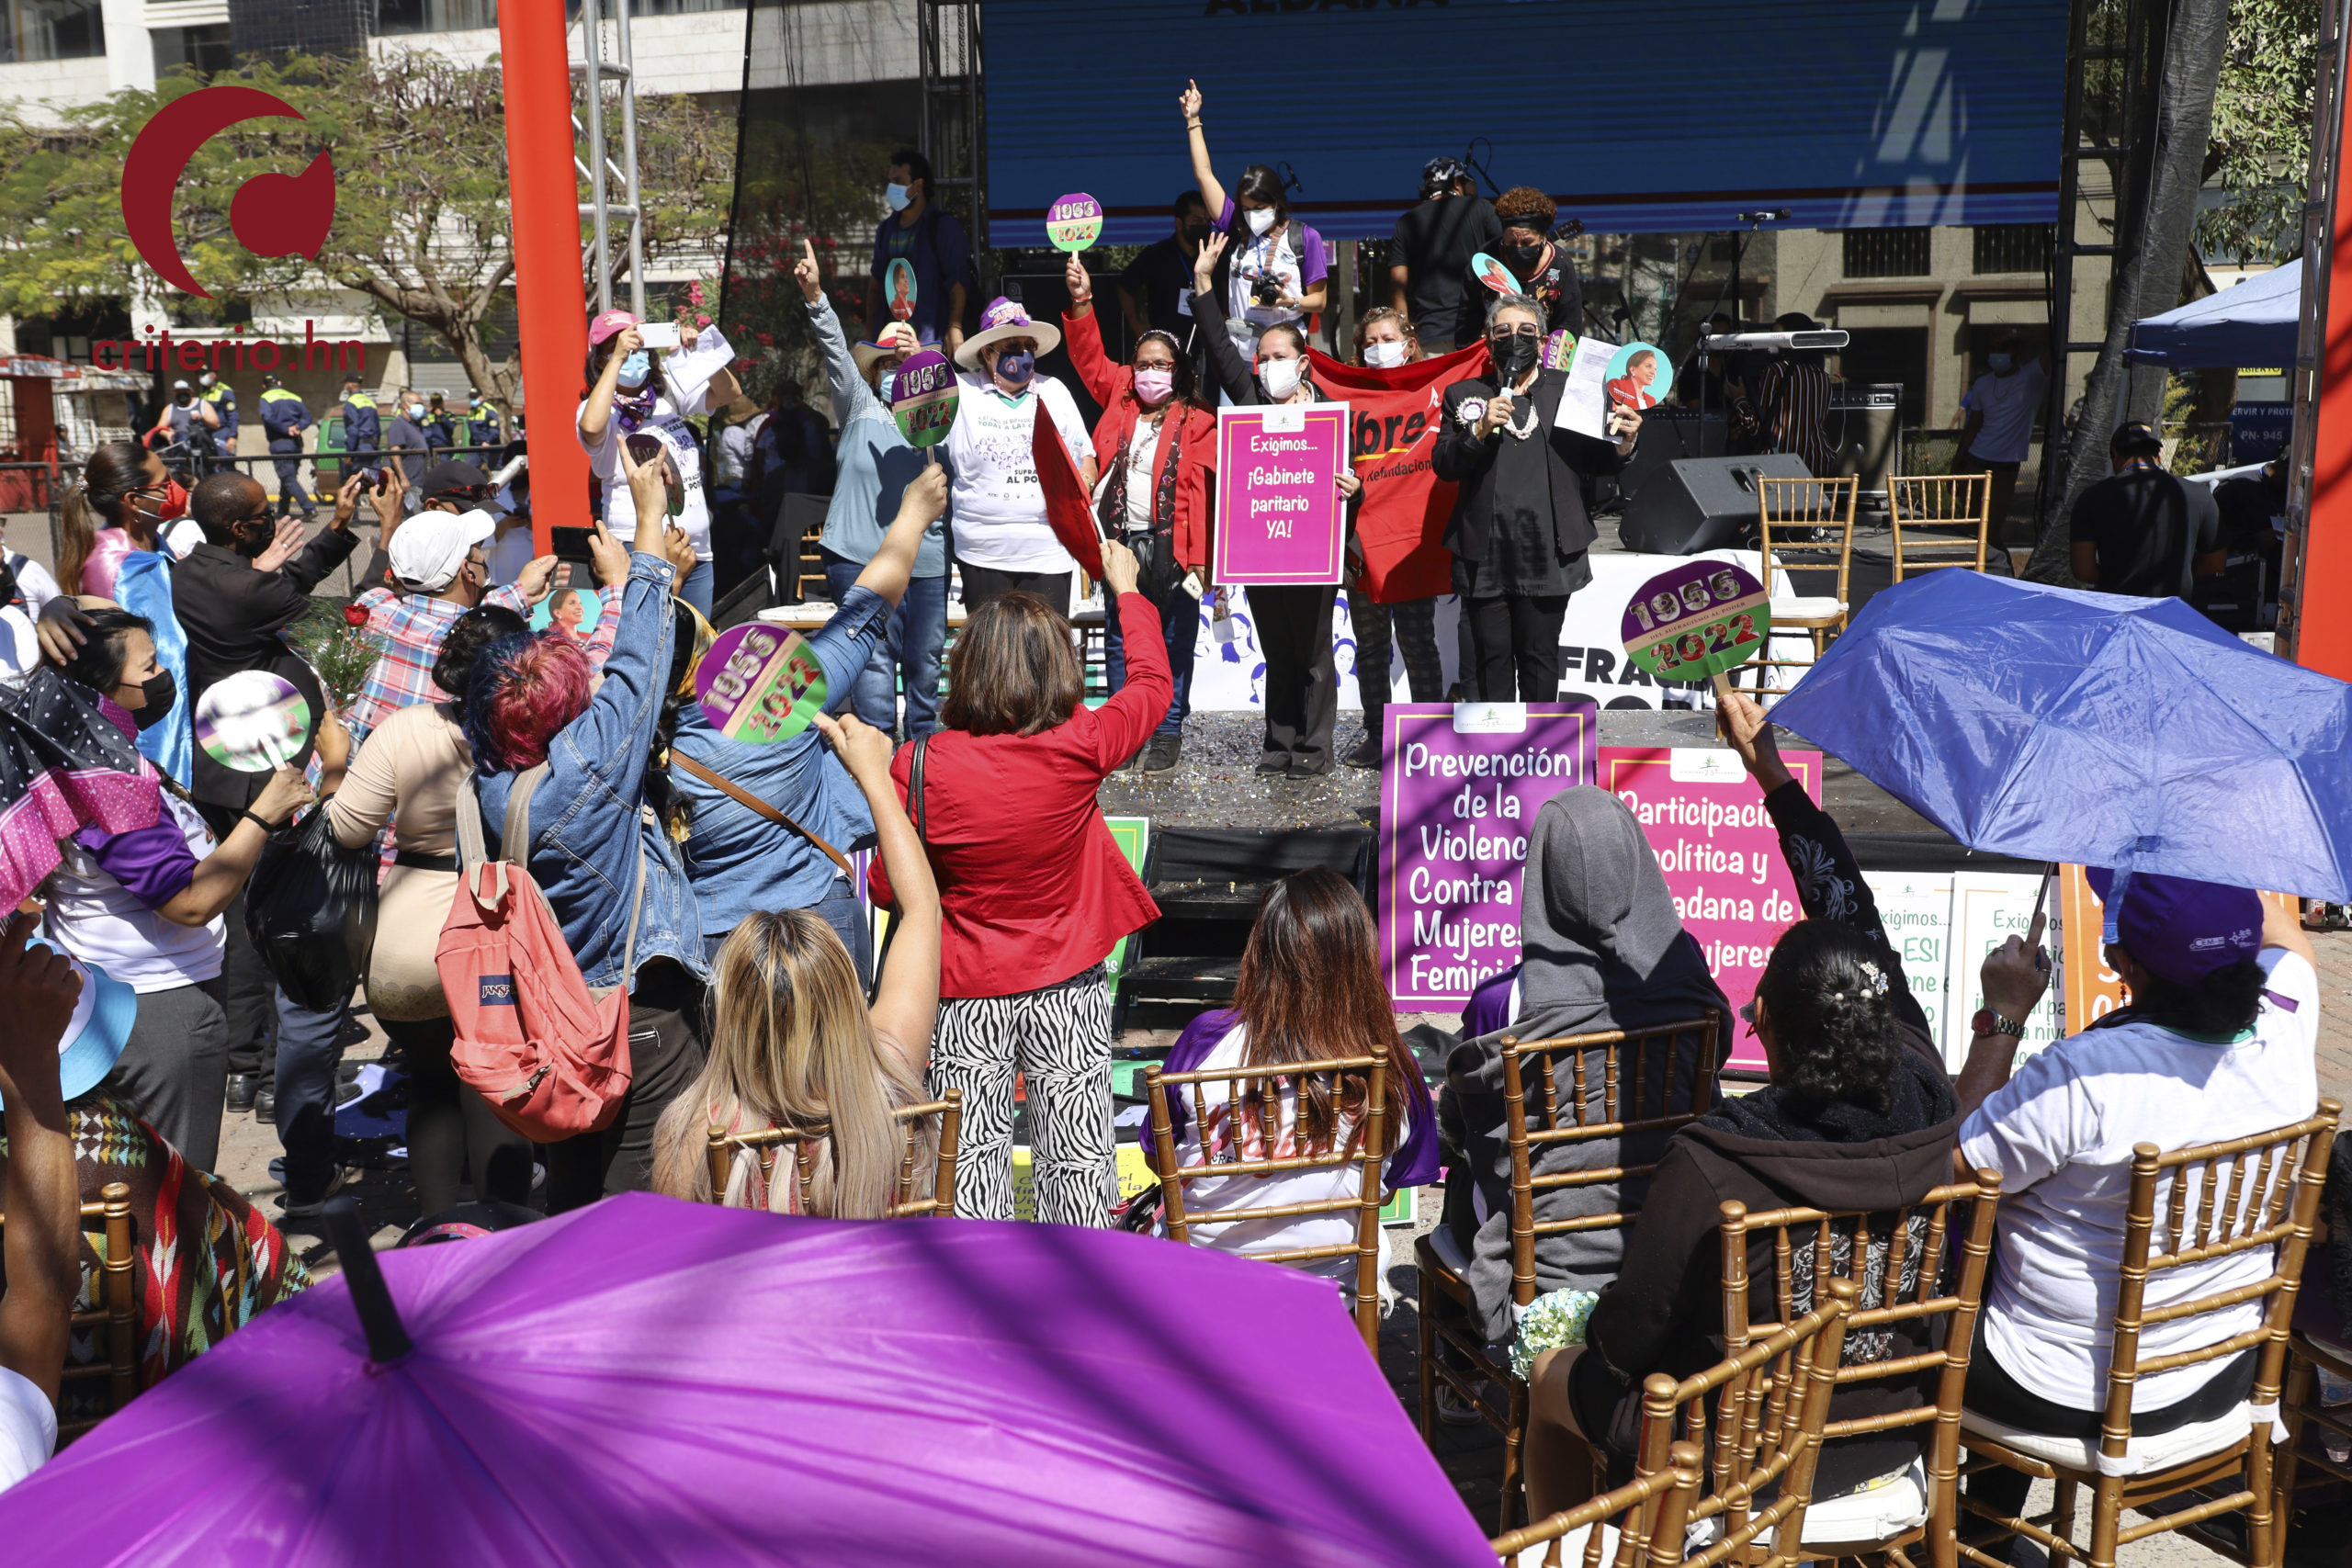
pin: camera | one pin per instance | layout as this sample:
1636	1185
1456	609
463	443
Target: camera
1265	292
374	478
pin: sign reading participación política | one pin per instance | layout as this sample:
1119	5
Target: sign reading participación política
1279	516
1460	784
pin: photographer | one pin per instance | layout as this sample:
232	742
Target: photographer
1275	273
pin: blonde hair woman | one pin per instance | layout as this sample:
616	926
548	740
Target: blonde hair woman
794	1044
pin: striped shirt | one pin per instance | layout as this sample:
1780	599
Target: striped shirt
1795	413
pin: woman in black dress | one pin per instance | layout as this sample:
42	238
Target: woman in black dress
1519	529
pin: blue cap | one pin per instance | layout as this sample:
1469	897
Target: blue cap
98	1031
2181	929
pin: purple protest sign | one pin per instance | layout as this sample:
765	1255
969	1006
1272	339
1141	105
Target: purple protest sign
1696	620
1074	222
1705	820
1279	516
759	683
1460	786
923	398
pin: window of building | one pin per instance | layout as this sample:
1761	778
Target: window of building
1882	354
2012	247
202	50
50	29
1886	252
434	16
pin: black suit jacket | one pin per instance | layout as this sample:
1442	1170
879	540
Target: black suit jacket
232	616
1463	459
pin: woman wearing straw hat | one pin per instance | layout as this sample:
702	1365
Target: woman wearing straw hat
1003	543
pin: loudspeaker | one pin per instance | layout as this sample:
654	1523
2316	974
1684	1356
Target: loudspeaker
1668	432
1701	503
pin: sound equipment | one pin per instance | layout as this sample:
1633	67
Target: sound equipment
1731	343
1670	431
1702	503
1865	426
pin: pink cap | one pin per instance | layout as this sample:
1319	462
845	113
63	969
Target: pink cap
606	323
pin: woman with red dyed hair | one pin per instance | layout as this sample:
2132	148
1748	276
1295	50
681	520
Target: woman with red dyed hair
530	710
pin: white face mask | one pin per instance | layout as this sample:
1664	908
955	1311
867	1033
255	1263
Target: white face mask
1261	220
1280	377
1383	355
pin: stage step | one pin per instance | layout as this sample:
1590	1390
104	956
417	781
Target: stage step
1190	977
1207	899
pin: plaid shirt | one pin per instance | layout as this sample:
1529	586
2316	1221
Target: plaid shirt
412	627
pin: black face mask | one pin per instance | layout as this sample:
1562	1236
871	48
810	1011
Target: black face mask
1195	236
253	545
1514	356
1523	259
162	691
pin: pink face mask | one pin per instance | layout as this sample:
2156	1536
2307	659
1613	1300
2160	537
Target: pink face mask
1155	384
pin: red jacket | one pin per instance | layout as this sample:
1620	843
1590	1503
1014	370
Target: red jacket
1114	386
1033	889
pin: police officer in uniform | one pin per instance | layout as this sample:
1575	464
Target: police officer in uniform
362	431
211	388
481	423
284	418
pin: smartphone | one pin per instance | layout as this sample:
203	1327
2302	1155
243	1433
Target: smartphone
375	478
571	543
644	449
659	334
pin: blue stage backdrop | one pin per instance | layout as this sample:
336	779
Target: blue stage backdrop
1665	116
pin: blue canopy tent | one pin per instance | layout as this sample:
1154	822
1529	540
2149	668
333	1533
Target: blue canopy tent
2251	323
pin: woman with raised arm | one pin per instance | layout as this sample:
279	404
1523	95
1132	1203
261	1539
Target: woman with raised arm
1279	275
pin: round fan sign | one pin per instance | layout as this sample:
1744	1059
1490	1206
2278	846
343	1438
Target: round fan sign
759	683
253	722
1494	274
923	398
1074	222
1695	621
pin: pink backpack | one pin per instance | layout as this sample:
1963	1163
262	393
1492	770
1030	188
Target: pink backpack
547	1050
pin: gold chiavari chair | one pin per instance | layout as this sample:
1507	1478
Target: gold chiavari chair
769	1145
1604	1524
1941	521
1808	526
115	1316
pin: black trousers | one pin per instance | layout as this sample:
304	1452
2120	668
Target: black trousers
1993	1391
666	1048
453	1134
982	583
1410	625
248	992
1302	681
1515	646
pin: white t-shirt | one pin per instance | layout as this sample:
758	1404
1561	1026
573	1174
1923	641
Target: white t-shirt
93	918
2060	1134
1240	1193
19	646
27	1428
605	461
1257	257
33	581
2009	403
1000	508
1142	447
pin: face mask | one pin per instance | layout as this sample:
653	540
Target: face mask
173	504
635	368
1514	356
160	692
1015	365
2002	364
1383	355
416	410
250	543
1261	220
895	198
1523	259
1195	236
1280	377
884	382
1155	384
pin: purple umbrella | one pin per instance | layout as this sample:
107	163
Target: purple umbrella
650	1383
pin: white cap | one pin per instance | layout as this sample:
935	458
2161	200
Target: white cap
429	548
180	387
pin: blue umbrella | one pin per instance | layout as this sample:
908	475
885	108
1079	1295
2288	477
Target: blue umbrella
2059	724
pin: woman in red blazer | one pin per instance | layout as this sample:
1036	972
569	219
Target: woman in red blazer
1157	444
1034	893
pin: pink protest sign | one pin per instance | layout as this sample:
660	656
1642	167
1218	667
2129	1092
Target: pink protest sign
1715	842
1279	516
759	683
1459	789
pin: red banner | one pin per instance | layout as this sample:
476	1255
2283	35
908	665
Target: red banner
1068	507
1393	415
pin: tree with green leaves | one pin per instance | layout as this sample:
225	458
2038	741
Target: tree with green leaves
2260	146
421	229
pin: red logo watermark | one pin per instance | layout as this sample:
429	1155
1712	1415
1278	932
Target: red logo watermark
271	215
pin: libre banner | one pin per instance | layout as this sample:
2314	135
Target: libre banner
1459	789
1715	842
1279	517
1403	515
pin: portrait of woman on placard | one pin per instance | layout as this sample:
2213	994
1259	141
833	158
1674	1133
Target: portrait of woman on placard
900	284
1637	378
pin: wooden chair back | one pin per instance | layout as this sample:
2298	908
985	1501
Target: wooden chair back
2180	1211
1769	1403
1257	1095
115	1315
1809	524
1673	1490
770	1144
1903	1271
1949	517
1637	1083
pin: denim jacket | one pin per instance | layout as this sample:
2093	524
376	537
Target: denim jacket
586	824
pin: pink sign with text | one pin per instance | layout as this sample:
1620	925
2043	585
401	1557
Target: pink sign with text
1706	820
1279	516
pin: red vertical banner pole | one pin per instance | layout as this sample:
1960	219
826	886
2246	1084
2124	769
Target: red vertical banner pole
2323	634
552	307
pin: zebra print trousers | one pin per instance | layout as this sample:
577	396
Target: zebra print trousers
1059	1036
